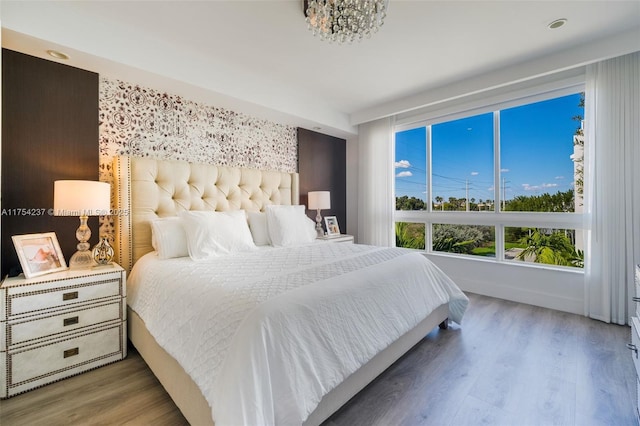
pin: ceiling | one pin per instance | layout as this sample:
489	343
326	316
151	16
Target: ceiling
262	52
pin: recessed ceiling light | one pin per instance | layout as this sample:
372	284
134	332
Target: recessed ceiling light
58	55
557	23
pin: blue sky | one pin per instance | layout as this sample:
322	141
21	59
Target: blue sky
536	144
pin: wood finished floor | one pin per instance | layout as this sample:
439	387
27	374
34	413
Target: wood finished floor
509	364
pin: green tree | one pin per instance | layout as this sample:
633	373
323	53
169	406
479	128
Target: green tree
552	247
460	238
440	200
562	202
513	234
410	235
406	203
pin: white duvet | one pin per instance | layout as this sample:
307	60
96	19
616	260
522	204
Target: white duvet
266	334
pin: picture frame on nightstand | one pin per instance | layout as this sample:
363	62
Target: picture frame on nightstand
39	254
331	223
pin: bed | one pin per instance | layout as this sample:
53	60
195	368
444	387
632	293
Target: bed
275	375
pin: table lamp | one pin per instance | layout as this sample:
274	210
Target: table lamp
319	200
81	198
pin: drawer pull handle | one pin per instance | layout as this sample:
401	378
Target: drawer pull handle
636	299
70	321
633	347
70	296
71	352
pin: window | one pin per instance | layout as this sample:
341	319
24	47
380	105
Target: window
410	235
543	245
536	149
502	184
475	240
462	158
411	169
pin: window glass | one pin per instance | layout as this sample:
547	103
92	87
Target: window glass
562	247
538	145
462	162
411	169
410	235
451	166
478	240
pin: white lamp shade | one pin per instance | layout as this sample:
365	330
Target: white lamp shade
81	198
319	200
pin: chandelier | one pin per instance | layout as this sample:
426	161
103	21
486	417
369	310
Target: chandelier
344	20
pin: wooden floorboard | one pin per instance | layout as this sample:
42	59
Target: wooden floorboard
508	364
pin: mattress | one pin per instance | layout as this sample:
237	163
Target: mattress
266	334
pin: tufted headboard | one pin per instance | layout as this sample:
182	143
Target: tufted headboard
145	189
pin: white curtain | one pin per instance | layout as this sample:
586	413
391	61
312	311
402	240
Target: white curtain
612	187
375	183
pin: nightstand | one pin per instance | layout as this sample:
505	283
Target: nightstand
342	238
635	338
61	324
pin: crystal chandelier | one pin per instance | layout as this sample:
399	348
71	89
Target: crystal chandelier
345	20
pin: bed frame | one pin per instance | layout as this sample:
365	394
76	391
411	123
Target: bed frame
145	189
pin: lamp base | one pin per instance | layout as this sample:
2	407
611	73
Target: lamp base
81	259
319	230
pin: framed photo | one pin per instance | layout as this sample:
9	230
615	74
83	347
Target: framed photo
39	254
332	226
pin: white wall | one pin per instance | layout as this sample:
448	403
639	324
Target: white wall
590	52
548	287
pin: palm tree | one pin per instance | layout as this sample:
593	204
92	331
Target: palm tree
409	237
552	249
440	200
453	203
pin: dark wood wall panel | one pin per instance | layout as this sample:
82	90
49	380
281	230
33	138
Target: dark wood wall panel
322	164
49	132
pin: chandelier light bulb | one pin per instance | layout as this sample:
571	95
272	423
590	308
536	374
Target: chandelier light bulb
345	21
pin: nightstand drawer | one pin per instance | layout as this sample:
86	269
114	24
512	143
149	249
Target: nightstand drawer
637	398
59	357
28	302
342	238
636	298
30	329
635	341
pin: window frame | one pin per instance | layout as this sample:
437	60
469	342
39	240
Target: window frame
497	218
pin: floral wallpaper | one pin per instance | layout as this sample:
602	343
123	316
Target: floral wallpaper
142	122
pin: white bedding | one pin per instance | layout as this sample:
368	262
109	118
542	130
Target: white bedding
265	334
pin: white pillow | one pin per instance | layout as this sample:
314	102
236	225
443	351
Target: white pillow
289	226
259	228
168	237
211	234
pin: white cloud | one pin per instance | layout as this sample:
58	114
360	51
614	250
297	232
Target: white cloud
491	188
403	164
504	170
404	174
475	173
559	177
528	187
